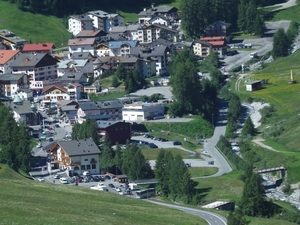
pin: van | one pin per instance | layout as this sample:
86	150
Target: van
63	180
253	55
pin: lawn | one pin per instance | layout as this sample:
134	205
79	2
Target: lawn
202	171
34	27
226	187
107	96
152	153
291	13
23	201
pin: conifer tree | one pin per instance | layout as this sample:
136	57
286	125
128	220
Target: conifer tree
248	127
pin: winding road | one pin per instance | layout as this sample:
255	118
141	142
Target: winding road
211	218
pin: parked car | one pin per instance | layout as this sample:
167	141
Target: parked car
177	142
63	180
39	145
86	173
188	164
163	140
111	185
56	176
50	139
152	145
56	125
41	179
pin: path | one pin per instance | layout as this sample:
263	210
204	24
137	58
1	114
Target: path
211	218
285	5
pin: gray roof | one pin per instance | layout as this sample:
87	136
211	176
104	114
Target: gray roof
98	13
122	29
80	147
104	124
159	42
142	52
157	10
11	77
68	108
107	104
24	108
72	76
31	59
98	117
80	55
81	17
10	36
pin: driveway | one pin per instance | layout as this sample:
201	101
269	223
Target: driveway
164	90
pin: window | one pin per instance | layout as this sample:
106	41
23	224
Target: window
82	167
93	166
85	159
88	167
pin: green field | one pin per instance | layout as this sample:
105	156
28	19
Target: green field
152	153
23	201
39	28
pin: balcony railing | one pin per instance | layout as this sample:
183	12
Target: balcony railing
76	164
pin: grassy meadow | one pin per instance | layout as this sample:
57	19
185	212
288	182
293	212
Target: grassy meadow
35	27
24	201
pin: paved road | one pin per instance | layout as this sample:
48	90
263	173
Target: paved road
209	145
164	90
211	218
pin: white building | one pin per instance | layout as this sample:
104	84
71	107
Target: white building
142	111
78	23
38	67
77	156
82	45
105	21
11	83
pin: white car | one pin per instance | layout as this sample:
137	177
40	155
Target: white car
56	176
39	145
41	179
63	180
118	189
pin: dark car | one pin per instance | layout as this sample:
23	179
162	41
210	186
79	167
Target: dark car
152	145
56	125
111	185
163	140
50	139
177	142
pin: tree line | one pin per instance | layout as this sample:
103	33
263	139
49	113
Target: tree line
14	142
191	94
61	8
196	15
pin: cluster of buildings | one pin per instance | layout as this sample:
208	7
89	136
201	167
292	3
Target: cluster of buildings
100	43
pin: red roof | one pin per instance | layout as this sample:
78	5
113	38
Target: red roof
38	47
217	43
213	38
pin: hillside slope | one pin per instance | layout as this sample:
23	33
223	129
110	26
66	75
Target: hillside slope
37	27
24	201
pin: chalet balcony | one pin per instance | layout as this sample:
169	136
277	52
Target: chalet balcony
93	161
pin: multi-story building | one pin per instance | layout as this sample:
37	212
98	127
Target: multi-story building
11	40
76	156
148	34
105	21
77	23
158	54
112	108
11	83
169	12
82	45
38	67
202	48
7	57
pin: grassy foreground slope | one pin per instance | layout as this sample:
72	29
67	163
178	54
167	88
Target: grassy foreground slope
37	27
24	201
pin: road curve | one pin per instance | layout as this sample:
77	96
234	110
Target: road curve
211	218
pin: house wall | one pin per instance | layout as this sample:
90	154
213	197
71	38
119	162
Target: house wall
82	48
75	25
119	132
37	73
74	93
79	164
142	112
148	68
114	22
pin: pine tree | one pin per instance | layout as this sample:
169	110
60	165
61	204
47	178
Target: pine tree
242	19
107	154
237	218
115	82
251	13
248	127
280	44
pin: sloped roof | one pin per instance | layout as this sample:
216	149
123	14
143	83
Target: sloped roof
203	42
89	33
55	86
11	77
81	17
6	55
80	147
38	47
81	41
102	124
31	60
118	44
